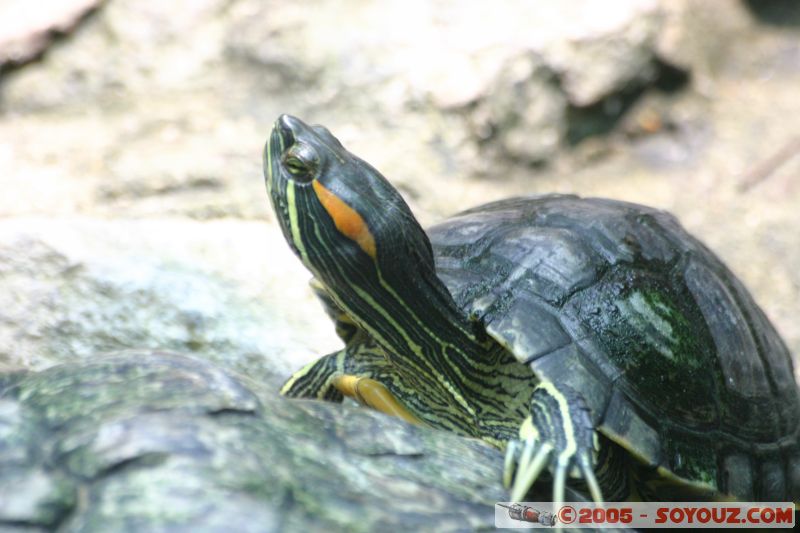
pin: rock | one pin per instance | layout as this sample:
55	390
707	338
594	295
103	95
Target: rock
401	51
129	47
440	57
232	290
456	62
155	441
603	49
697	36
525	114
477	63
26	30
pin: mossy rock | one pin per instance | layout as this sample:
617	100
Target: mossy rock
156	441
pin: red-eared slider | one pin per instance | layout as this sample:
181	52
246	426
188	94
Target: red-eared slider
593	339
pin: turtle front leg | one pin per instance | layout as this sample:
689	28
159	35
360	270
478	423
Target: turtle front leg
353	372
559	434
374	394
316	379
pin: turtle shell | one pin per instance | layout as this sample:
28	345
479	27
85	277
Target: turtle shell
674	358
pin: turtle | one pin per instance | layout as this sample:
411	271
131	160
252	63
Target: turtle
607	351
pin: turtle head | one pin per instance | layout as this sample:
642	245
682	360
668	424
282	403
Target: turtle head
358	237
340	215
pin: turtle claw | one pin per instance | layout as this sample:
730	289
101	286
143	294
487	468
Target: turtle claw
559	484
525	461
530	464
512	450
585	464
566	447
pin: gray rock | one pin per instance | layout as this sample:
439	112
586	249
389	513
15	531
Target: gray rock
155	441
228	291
524	114
698	36
601	48
399	54
483	63
598	48
26	30
130	47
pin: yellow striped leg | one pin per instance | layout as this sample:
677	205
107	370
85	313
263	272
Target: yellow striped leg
558	434
325	379
315	380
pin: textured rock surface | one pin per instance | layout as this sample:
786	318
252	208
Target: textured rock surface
227	291
152	441
27	29
525	117
458	56
444	54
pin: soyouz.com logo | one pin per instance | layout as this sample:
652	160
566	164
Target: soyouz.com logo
645	515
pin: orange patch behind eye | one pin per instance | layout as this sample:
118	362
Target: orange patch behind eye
347	220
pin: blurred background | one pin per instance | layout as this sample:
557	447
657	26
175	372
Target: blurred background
133	211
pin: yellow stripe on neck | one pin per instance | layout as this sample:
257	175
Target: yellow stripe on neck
347	220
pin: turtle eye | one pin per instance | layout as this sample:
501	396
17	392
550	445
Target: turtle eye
301	161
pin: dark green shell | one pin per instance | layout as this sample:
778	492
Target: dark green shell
675	359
